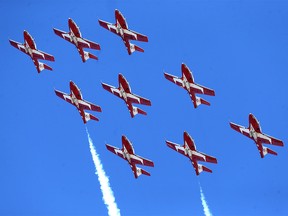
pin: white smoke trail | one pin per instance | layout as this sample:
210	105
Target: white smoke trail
204	203
108	196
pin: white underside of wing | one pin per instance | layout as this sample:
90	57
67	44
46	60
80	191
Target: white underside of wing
81	40
113	90
195	86
243	130
118	152
178	147
198	154
66	35
135	157
38	53
133	97
84	103
126	31
178	80
111	26
264	137
67	97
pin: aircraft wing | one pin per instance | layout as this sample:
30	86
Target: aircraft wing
176	147
63	34
18	46
202	90
269	139
132	35
85	43
108	26
116	151
85	105
64	96
132	98
204	157
174	79
112	89
38	54
240	129
135	159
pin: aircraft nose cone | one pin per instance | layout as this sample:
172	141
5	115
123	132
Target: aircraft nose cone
120	76
25	33
71	83
70	21
251	116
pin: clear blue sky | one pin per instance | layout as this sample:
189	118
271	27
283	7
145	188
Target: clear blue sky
237	48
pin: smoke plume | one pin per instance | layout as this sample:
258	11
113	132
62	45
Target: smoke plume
204	203
107	193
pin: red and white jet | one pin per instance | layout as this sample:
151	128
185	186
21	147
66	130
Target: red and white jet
187	82
127	153
189	150
29	48
254	132
74	37
121	29
75	98
124	92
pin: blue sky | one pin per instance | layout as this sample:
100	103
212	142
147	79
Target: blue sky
237	48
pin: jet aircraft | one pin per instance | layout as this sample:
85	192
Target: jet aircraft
127	153
187	82
124	92
189	150
29	48
121	29
254	132
74	36
75	98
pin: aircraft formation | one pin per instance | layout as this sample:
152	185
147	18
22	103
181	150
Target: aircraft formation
186	81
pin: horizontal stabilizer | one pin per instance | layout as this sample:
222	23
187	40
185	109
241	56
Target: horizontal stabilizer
134	48
140	171
86	55
88	116
268	151
200	101
41	66
202	168
136	110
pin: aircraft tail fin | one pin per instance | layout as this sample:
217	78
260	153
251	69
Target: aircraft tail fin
268	151
136	110
202	168
134	48
88	116
140	171
200	101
